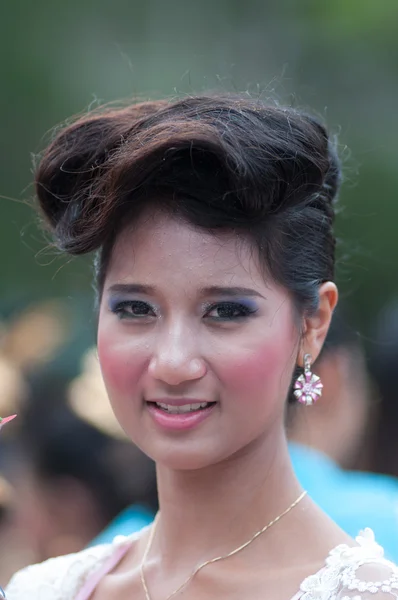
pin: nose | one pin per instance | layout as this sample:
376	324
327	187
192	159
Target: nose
176	358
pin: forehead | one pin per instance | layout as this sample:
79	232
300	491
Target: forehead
160	246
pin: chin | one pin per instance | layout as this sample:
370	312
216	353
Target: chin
183	464
183	456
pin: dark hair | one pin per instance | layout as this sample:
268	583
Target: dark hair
342	333
58	444
268	173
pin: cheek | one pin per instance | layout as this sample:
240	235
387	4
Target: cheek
264	369
122	361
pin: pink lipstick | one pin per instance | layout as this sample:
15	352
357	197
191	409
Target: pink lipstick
179	414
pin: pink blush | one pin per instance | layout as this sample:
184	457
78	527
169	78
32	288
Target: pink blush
122	364
263	369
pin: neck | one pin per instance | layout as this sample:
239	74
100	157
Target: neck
222	506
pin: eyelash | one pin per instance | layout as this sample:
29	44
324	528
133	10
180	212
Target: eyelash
244	311
120	309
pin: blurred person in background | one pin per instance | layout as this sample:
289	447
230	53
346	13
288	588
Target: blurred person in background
13	555
6	569
13	390
337	425
383	365
331	438
70	481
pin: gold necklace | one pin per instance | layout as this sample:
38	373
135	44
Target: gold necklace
212	560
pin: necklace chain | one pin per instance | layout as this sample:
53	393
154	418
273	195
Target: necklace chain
212	560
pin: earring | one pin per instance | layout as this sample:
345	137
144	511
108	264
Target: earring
308	387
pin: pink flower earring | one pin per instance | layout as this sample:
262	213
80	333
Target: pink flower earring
308	387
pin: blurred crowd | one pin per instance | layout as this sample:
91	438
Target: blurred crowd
67	470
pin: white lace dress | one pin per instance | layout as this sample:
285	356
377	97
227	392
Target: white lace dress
350	573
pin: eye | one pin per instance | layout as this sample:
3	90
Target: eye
132	309
229	311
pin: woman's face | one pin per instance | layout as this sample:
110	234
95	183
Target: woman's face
196	348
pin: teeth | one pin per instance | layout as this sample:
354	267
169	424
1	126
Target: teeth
185	408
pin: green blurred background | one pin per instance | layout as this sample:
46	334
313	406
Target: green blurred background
340	58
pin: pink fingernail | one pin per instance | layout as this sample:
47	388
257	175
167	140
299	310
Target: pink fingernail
6	420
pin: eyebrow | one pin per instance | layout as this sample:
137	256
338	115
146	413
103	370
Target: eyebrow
214	290
131	288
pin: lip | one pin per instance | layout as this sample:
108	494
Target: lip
178	422
177	401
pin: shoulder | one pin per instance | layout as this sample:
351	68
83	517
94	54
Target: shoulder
59	578
354	573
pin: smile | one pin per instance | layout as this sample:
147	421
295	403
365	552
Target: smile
185	408
179	414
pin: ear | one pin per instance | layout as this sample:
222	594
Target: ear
316	326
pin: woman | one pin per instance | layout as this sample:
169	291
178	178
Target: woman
212	219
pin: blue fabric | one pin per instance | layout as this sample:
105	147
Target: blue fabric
354	500
130	520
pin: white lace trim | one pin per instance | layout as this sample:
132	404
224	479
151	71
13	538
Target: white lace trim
340	578
350	573
59	578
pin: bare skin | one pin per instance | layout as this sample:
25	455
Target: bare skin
225	478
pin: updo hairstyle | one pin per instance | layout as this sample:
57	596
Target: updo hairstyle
223	163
